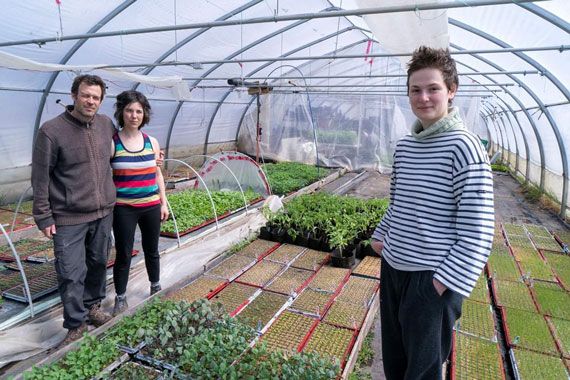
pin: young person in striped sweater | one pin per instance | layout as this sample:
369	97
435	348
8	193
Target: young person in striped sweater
141	197
437	233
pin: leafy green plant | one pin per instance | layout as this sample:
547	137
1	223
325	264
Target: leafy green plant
499	168
285	177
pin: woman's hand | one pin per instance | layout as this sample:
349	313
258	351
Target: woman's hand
377	246
164	212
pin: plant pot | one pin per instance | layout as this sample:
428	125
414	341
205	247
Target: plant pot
325	246
278	235
347	251
314	243
288	238
359	252
302	240
342	262
265	233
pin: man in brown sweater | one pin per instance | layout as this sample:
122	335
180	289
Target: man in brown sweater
74	196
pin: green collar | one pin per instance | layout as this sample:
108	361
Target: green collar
450	122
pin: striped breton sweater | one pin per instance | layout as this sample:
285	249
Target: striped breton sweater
441	214
134	174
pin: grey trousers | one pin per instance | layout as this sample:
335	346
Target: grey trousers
417	324
81	253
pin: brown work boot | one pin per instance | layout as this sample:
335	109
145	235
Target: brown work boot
97	317
73	335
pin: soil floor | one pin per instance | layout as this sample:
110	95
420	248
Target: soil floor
510	207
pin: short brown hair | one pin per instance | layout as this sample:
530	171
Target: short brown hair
90	80
425	57
127	97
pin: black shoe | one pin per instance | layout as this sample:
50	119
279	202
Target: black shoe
120	305
155	288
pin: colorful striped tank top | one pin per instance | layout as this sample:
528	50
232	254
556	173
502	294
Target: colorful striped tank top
134	174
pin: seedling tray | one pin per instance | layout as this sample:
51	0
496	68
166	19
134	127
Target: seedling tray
329	279
528	330
262	309
536	230
519	241
234	296
258	249
25	248
313	302
560	264
289	332
547	244
368	267
346	315
232	267
552	300
134	370
474	358
477	320
561	330
532	265
311	260
12	277
358	291
529	365
202	287
39	287
503	267
514	229
331	341
513	294
261	273
291	281
285	253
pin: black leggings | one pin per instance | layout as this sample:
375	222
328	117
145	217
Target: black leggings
125	220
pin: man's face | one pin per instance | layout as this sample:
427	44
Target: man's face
87	101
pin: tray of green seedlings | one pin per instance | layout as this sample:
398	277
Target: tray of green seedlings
519	241
358	291
134	370
25	248
552	299
261	273
528	365
560	264
481	290
503	267
232	267
202	287
536	230
475	358
331	341
532	264
547	244
312	302
25	207
39	287
329	279
514	229
291	281
345	314
12	277
311	260
477	320
500	248
262	309
513	294
528	330
369	267
288	332
233	296
561	328
285	253
258	248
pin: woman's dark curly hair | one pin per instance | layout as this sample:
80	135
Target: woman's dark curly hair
425	57
127	97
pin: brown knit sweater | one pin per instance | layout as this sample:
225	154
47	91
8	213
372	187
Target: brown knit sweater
71	175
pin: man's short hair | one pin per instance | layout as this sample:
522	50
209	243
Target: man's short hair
426	57
90	80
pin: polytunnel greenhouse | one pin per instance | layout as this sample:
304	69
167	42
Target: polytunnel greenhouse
291	161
